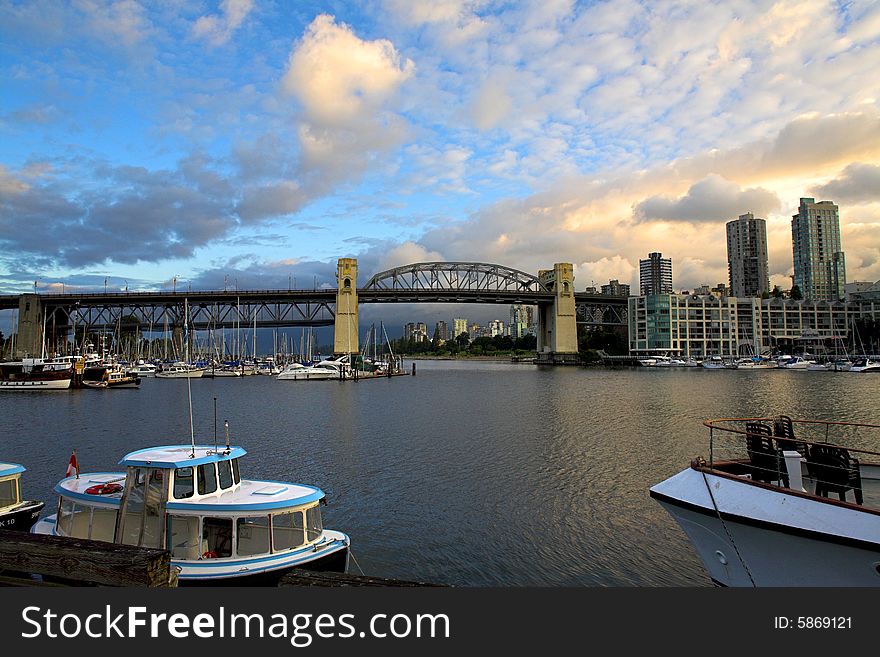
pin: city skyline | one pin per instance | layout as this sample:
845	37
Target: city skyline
244	144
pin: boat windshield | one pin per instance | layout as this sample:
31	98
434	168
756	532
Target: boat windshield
9	493
142	516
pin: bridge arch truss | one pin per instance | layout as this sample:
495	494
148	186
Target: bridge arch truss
464	277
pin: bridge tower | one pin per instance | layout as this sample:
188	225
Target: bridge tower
557	323
29	340
345	329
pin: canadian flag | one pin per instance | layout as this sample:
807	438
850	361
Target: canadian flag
73	466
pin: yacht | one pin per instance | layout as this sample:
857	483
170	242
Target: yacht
865	365
713	363
143	369
114	377
782	502
795	363
338	368
181	370
15	513
192	501
35	374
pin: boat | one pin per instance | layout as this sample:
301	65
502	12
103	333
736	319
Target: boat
796	363
35	374
16	513
181	370
713	363
114	377
782	502
143	369
865	365
338	368
192	501
755	363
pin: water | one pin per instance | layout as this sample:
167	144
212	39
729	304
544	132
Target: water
471	474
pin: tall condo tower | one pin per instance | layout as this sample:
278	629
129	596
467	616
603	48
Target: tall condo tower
747	256
655	274
819	263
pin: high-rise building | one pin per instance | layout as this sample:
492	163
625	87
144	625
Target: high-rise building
819	264
496	327
417	331
442	330
520	317
459	326
655	274
747	256
617	289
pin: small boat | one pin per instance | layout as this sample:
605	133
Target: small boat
865	365
143	369
338	368
35	374
755	363
796	363
15	513
713	363
181	370
192	501
114	377
760	511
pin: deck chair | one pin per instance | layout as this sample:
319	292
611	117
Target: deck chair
783	430
766	460
835	471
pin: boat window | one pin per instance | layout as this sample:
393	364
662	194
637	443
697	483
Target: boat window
216	537
288	531
225	473
133	509
252	536
207	479
65	516
103	524
236	476
183	483
313	523
154	510
8	492
183	537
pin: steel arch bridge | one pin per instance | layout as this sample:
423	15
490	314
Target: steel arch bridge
455	277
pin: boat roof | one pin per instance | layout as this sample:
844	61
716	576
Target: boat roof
7	469
249	496
180	456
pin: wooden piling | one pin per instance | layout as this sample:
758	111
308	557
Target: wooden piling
79	562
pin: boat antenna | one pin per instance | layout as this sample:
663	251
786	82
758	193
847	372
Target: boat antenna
226	424
192	434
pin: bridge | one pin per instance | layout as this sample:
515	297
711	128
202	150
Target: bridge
560	308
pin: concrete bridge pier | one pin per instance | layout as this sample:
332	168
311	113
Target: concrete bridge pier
345	328
29	341
557	322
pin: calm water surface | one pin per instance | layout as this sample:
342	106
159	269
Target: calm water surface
472	474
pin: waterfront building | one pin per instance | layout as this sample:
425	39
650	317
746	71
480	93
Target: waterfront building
747	256
699	325
496	327
617	289
416	331
819	263
475	331
520	319
459	326
655	274
442	329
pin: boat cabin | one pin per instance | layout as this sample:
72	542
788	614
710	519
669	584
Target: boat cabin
192	502
10	486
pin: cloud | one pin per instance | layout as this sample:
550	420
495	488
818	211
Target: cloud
339	78
857	183
116	21
712	199
217	30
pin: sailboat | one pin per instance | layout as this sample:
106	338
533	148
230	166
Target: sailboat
183	369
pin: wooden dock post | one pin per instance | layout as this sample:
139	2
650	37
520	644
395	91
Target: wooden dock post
78	562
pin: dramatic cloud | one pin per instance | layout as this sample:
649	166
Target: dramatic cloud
858	183
217	30
712	199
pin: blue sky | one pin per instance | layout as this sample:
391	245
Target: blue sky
249	143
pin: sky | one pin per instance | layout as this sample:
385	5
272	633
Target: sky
250	144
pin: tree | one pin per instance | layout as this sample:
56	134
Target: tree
776	293
795	293
463	341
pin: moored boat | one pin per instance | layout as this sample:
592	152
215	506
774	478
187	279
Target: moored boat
759	511
35	374
192	501
15	513
181	370
114	377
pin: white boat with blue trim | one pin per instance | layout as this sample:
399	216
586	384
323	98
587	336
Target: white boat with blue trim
192	501
15	512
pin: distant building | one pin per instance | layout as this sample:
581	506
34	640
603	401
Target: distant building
591	289
520	319
747	256
819	263
862	290
442	328
416	331
475	331
496	327
655	274
459	326
616	288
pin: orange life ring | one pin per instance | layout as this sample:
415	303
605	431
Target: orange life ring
209	555
103	489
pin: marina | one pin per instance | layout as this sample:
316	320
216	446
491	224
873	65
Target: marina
522	458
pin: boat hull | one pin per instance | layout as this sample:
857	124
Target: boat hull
22	517
35	384
748	535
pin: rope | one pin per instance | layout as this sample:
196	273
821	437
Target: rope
351	554
726	531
